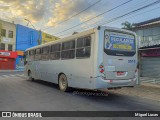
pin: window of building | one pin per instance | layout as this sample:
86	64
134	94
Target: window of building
55	52
83	49
2	46
68	50
10	47
3	32
10	34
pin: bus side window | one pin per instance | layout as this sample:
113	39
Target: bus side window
68	50
83	48
55	52
31	54
45	53
38	54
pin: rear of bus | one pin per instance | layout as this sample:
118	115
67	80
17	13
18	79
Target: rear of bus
118	66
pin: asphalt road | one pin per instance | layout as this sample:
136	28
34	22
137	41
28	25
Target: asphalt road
19	94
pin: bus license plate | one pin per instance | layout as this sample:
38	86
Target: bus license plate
120	73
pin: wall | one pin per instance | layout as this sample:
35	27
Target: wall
5	39
48	38
149	36
26	37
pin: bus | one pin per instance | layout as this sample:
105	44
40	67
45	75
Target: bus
99	58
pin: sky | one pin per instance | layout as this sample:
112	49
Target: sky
56	16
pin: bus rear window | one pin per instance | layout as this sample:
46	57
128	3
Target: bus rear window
120	44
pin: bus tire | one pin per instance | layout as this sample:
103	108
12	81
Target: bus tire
30	76
63	83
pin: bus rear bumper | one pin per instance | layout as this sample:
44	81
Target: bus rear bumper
103	83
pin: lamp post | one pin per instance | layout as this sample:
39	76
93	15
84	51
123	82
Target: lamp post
30	23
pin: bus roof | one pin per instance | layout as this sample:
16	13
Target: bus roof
77	36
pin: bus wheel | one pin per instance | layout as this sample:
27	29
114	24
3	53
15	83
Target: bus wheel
30	75
63	83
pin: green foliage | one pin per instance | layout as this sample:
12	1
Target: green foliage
127	25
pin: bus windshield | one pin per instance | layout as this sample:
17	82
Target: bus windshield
119	44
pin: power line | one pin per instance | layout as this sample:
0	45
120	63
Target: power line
118	20
96	23
146	6
134	11
141	13
96	16
75	14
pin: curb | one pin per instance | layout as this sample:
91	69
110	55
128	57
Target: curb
3	71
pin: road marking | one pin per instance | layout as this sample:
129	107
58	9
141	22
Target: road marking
5	76
15	75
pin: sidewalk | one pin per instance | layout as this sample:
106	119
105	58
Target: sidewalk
145	90
155	80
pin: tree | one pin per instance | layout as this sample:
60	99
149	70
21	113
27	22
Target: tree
127	25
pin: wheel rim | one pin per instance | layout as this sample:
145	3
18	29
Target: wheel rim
63	82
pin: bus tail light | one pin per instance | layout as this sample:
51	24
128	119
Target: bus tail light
110	81
101	71
101	68
136	73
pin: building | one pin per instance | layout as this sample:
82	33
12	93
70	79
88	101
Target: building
7	45
7	36
149	48
7	60
48	38
25	38
14	40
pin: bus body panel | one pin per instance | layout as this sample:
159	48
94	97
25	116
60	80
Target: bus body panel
78	71
120	63
49	71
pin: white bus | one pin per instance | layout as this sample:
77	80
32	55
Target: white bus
102	57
